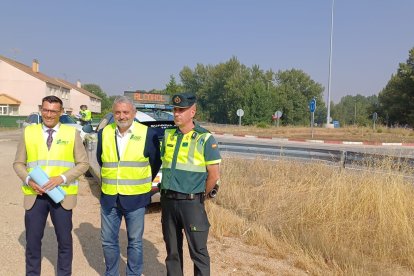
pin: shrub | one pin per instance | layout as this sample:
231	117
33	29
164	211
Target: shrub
262	125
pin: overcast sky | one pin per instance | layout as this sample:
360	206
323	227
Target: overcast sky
130	45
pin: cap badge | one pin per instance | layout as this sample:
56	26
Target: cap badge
177	100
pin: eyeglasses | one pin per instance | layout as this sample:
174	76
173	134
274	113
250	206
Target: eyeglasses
53	112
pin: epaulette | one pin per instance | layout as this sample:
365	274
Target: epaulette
200	129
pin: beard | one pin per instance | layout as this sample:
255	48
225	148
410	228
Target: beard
123	124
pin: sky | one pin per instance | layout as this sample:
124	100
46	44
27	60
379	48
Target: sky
137	45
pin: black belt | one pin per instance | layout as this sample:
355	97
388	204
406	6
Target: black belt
180	196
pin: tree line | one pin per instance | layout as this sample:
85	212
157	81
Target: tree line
224	88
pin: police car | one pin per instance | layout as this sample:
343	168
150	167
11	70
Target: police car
159	123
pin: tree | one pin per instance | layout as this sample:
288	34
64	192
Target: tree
218	88
223	88
355	110
172	87
106	103
295	90
396	100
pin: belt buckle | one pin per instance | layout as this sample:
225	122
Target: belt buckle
191	196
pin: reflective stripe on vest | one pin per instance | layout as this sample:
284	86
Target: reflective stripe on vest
59	163
124	164
131	174
55	161
190	156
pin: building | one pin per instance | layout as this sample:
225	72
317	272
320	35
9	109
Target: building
22	88
79	96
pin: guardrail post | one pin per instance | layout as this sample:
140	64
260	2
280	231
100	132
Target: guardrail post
343	158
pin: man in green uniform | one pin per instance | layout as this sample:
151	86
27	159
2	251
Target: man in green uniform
190	170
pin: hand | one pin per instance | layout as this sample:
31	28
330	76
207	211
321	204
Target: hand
52	183
36	187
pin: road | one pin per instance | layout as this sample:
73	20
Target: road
228	255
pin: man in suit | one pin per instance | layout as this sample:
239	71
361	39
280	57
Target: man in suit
59	151
129	154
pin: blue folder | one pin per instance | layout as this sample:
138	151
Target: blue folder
57	194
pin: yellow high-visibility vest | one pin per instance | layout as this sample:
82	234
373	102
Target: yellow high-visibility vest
86	115
131	173
55	161
189	157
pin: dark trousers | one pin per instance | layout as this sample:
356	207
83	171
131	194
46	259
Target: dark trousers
188	215
35	222
82	122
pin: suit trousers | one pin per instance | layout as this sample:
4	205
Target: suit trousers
35	222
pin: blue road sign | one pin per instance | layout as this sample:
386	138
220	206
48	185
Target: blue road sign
312	105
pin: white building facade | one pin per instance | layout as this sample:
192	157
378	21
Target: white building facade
22	89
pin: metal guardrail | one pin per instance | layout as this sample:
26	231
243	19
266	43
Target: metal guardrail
341	158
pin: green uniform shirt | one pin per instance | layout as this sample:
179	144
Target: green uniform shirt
187	181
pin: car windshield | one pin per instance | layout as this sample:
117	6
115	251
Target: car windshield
162	122
66	119
33	119
159	115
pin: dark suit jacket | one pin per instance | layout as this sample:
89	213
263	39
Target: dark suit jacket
133	202
81	166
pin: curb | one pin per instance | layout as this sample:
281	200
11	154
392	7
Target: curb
336	142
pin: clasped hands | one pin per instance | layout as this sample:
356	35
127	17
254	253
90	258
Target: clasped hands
52	183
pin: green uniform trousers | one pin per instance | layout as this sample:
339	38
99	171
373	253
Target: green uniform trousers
188	215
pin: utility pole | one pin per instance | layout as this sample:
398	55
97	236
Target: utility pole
355	112
328	116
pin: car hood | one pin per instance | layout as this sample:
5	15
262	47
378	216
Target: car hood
78	127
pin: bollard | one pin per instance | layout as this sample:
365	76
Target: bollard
20	123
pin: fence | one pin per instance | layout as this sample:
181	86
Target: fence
12	121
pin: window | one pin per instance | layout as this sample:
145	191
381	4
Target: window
4	110
14	110
65	95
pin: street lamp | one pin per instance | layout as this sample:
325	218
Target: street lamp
328	116
355	112
268	82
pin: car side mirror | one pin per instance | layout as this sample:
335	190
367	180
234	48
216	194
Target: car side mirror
87	128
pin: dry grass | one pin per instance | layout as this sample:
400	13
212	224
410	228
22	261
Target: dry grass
380	134
4	129
325	221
